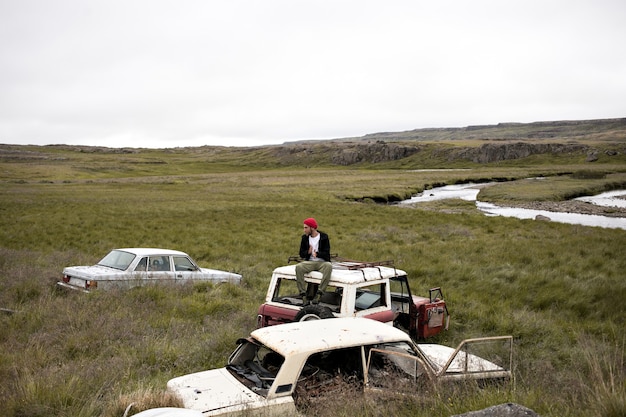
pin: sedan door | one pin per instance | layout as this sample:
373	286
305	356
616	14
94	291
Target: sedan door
160	269
185	269
140	273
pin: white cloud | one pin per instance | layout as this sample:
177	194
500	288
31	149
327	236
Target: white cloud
162	73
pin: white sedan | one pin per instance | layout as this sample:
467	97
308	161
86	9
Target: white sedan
132	267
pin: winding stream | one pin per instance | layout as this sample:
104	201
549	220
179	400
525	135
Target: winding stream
469	192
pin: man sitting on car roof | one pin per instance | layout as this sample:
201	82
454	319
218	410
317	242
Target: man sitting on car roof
315	250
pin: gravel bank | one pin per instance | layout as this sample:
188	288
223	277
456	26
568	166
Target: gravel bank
579	207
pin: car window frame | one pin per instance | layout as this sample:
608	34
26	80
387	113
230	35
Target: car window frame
387	351
162	259
195	267
382	292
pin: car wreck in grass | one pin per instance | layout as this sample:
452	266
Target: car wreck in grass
376	290
132	267
278	369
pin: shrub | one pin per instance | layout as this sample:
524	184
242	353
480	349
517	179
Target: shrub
588	175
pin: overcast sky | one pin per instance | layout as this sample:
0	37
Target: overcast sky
161	73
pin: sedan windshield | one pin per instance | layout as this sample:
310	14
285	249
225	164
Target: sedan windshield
117	259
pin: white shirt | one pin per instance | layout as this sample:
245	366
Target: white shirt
314	242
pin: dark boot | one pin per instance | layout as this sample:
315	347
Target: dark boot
317	298
305	301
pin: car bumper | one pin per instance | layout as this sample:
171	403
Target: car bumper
66	286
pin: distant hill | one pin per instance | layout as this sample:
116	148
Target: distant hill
583	139
601	129
574	142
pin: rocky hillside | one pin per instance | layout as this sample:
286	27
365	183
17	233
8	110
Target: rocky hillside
558	130
588	139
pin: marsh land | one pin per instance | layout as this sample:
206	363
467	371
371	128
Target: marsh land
559	289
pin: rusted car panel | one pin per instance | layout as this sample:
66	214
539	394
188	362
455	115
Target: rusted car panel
132	267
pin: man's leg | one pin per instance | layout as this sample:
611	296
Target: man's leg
300	271
326	268
302	268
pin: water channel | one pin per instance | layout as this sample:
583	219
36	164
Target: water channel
469	192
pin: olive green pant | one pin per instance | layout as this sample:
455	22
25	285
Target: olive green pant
304	267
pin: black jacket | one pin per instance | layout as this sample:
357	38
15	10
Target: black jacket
324	247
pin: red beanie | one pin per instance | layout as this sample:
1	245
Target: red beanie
311	222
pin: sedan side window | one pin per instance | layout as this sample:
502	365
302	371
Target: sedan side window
182	263
159	263
141	266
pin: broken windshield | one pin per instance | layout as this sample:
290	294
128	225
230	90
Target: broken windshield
255	366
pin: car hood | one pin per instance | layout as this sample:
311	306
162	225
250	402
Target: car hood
93	271
213	390
168	412
221	275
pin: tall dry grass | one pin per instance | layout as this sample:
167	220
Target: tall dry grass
558	289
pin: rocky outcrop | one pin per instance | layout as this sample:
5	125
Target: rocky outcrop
349	154
502	410
494	152
592	156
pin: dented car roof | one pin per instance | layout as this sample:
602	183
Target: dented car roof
321	335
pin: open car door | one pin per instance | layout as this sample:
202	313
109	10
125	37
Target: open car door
396	367
485	358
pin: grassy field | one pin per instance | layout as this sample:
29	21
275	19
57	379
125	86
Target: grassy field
558	289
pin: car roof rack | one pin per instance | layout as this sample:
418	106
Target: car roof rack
352	264
345	263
